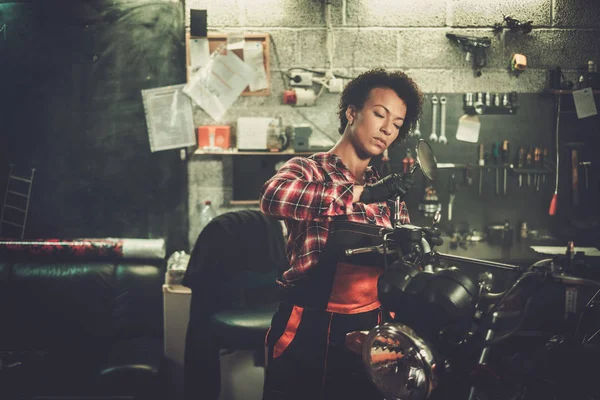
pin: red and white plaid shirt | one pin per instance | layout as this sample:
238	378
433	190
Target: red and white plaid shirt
307	193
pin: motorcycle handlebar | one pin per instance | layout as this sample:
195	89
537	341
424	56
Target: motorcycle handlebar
569	279
370	249
483	263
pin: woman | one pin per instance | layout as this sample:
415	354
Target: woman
322	297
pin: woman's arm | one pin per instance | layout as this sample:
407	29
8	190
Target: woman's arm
299	191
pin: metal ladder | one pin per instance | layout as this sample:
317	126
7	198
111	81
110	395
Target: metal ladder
16	204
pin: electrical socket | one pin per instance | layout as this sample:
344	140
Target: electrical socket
305	97
336	85
301	79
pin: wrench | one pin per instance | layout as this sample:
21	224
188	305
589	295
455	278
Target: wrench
442	139
434	105
417	131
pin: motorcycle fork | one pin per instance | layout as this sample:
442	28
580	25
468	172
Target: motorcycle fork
485	352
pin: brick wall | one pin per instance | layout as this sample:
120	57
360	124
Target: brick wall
395	34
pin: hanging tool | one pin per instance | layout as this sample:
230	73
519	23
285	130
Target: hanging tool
544	163
469	174
514	25
468	100
475	48
488	99
417	131
442	139
528	161
505	158
434	106
496	158
574	150
520	161
537	153
554	200
479	104
408	161
452	194
385	168
586	165
481	165
575	176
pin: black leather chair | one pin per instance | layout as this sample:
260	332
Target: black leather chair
231	272
80	322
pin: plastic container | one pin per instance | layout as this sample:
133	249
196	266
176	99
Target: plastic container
176	267
206	214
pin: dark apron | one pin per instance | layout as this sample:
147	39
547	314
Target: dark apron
307	356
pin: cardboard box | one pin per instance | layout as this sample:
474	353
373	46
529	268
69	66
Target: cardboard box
214	137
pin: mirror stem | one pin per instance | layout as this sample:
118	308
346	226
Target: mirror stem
414	167
397	211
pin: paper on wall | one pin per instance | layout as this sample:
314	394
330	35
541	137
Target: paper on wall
199	53
468	128
584	103
168	117
253	56
218	84
235	41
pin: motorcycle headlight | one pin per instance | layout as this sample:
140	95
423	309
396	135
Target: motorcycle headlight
399	362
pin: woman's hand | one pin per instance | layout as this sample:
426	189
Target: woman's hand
433	236
387	188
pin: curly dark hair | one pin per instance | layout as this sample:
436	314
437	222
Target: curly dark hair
357	91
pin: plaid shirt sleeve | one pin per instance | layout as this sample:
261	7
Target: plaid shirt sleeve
300	191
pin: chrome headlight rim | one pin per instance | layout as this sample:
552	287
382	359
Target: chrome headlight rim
422	351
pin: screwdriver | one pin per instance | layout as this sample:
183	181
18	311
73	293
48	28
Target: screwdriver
528	159
505	155
469	174
520	160
544	163
452	195
536	158
586	165
481	165
496	158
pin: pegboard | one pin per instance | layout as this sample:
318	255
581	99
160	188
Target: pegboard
532	125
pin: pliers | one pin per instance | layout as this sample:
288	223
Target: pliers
408	161
385	168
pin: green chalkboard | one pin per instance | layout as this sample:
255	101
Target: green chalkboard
71	75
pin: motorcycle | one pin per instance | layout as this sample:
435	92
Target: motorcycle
448	336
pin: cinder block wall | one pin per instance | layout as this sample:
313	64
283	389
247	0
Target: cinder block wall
395	34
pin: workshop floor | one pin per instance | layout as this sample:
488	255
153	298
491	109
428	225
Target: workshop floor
240	379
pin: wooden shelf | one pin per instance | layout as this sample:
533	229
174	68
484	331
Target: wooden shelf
554	91
243	203
236	152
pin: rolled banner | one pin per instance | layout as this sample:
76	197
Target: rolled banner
97	248
144	248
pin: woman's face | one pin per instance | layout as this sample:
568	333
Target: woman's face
377	124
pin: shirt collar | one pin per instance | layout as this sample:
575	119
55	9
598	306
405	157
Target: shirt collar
371	174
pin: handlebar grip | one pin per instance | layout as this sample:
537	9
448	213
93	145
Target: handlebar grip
361	250
369	249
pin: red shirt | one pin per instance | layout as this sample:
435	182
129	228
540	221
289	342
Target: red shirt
306	193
